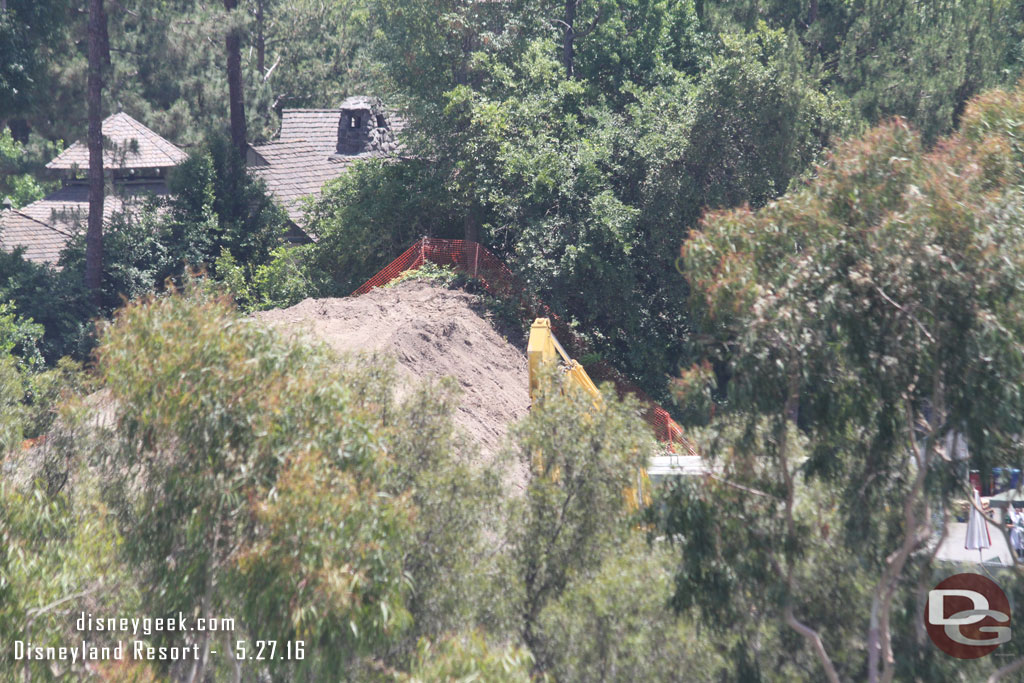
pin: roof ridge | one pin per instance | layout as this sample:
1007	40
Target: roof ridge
158	140
155	149
290	141
42	223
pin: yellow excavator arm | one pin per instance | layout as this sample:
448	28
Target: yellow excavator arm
544	348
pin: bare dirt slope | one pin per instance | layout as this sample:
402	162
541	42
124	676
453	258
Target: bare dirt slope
431	332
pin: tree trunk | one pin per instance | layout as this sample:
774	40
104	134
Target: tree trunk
261	41
881	663
470	228
568	38
232	44
105	37
94	234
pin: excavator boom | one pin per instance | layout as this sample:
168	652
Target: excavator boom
543	347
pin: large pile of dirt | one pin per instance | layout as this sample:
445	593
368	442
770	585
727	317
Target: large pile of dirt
430	332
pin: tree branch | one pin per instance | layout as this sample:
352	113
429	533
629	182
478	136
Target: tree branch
812	636
910	315
815	640
593	24
879	636
273	66
39	611
911	539
1011	668
741	487
34	612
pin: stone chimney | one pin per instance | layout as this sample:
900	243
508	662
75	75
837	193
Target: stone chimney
364	127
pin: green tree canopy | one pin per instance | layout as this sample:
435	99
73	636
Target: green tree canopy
919	60
27	28
587	189
863	325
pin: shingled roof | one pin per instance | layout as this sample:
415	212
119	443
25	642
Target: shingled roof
128	145
314	126
42	242
45	227
305	155
295	170
320	126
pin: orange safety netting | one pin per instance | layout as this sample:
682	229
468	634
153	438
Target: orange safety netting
470	258
474	260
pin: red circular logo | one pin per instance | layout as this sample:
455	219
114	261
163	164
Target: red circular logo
967	616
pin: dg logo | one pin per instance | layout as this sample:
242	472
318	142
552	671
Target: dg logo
968	616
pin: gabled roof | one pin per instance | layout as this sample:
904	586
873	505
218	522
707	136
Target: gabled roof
45	227
128	144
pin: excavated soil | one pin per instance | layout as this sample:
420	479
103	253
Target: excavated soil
430	332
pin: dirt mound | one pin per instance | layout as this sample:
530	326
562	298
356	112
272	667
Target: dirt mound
430	332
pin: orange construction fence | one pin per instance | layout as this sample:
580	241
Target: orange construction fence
474	260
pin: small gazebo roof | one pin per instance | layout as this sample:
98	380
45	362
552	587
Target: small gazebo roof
127	145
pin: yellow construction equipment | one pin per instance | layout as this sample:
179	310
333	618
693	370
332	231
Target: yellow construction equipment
543	348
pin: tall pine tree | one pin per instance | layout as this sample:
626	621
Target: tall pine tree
94	235
236	96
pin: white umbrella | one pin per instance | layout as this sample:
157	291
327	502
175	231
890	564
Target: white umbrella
977	529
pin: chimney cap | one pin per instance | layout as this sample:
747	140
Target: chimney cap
361	102
7	204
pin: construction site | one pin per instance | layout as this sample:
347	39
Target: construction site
402	341
431	331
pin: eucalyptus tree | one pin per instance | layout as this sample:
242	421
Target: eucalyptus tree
858	327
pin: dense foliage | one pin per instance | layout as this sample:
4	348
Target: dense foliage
581	140
17	184
26	29
301	496
217	214
844	182
919	60
863	325
368	216
52	299
166	62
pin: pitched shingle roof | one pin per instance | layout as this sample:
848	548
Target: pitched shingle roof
42	242
131	145
304	156
44	227
315	126
295	170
